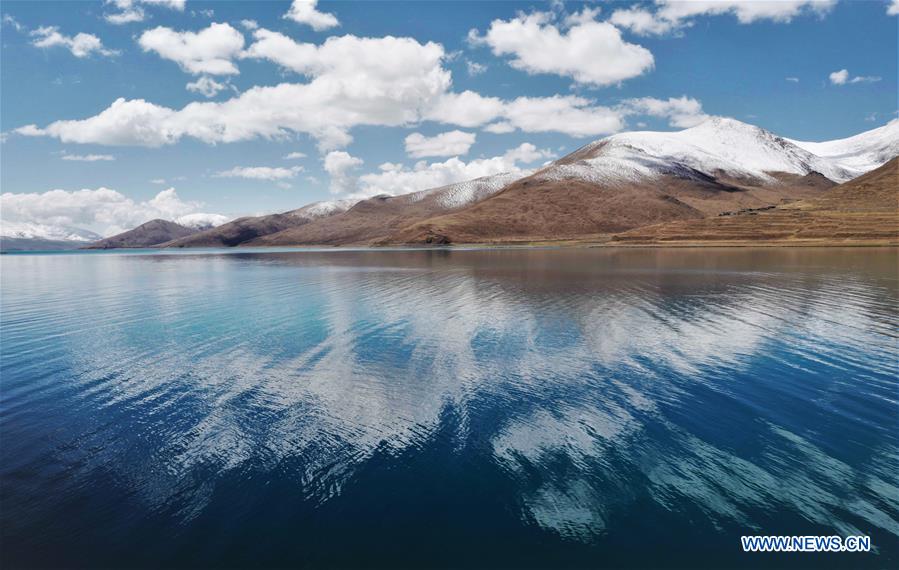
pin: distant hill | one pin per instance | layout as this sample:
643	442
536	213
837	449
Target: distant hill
37	244
243	230
149	234
23	236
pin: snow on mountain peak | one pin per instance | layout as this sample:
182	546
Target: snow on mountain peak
29	230
860	153
723	146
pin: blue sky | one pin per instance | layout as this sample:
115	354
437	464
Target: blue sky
584	71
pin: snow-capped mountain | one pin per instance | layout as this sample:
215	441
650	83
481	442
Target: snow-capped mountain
28	230
322	209
723	147
462	194
860	153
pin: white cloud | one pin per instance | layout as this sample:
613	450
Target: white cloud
157	181
131	11
588	51
81	44
206	86
575	116
792	79
208	51
839	77
842	77
641	22
746	11
260	172
294	156
475	68
356	81
202	221
681	112
672	15
104	210
352	82
572	115
466	109
393	179
134	122
500	128
9	20
893	8
450	143
340	166
87	157
304	12
249	24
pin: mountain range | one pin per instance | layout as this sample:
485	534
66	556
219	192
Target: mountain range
697	179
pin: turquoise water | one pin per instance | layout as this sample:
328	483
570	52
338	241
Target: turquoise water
514	408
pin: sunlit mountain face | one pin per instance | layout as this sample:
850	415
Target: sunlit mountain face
533	406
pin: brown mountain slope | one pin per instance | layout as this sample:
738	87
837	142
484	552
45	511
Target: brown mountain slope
149	234
862	211
539	209
237	231
245	229
376	218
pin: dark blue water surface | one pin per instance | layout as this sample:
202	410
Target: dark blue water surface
495	408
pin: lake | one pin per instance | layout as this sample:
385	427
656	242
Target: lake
447	408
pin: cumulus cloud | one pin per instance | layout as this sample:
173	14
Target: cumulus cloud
103	210
341	167
87	157
642	22
500	128
206	86
579	47
681	112
745	11
450	143
572	115
202	221
305	12
249	24
81	44
839	77
128	11
352	82
355	81
394	179
260	172
893	8
842	77
294	155
672	15
209	51
575	116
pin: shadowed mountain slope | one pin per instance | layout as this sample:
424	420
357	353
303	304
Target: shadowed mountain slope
149	234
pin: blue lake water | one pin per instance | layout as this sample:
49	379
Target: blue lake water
447	408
